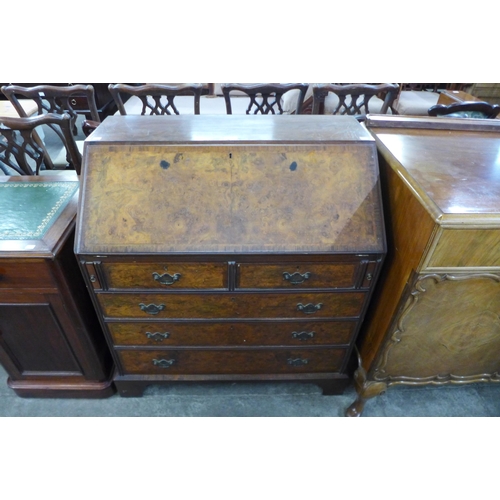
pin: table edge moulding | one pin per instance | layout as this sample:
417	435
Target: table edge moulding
230	248
434	318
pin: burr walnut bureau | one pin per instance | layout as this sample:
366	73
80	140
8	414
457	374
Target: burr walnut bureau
435	315
230	248
51	342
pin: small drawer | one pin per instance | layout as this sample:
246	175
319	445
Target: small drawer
79	103
164	275
297	275
230	361
233	334
226	305
25	273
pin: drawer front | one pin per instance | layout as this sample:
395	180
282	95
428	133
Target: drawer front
232	334
25	273
231	361
79	103
165	275
265	305
298	275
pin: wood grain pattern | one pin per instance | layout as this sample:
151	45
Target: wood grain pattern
32	273
455	169
226	305
337	275
409	232
433	341
435	318
230	199
141	275
222	129
231	204
466	248
233	334
231	361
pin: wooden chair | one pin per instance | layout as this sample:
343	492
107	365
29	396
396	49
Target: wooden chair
354	99
466	109
60	100
55	99
265	98
21	152
156	99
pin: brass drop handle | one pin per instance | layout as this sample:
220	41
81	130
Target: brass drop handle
151	308
297	361
303	335
163	363
158	336
296	278
309	308
166	279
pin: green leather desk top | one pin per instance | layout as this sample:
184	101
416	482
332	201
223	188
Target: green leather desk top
28	210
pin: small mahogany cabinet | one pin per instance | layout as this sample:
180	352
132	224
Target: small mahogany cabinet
51	342
230	248
435	314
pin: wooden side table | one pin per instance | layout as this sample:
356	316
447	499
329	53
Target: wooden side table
51	344
455	96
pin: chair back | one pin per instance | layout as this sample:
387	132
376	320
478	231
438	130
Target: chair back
55	99
466	109
265	98
21	151
354	99
156	99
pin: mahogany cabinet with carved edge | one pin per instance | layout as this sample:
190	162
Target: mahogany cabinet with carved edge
435	314
230	248
51	341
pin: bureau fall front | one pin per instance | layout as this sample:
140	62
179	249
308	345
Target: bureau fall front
230	248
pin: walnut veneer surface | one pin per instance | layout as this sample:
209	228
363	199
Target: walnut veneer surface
230	247
51	343
435	318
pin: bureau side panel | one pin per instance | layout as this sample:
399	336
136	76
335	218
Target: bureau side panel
409	229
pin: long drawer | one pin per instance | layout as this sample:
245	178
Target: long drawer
232	334
228	305
230	361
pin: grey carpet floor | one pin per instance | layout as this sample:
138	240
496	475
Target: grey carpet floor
261	400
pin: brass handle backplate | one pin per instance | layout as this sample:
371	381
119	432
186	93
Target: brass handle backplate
163	363
302	335
296	278
158	336
309	308
151	308
166	279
